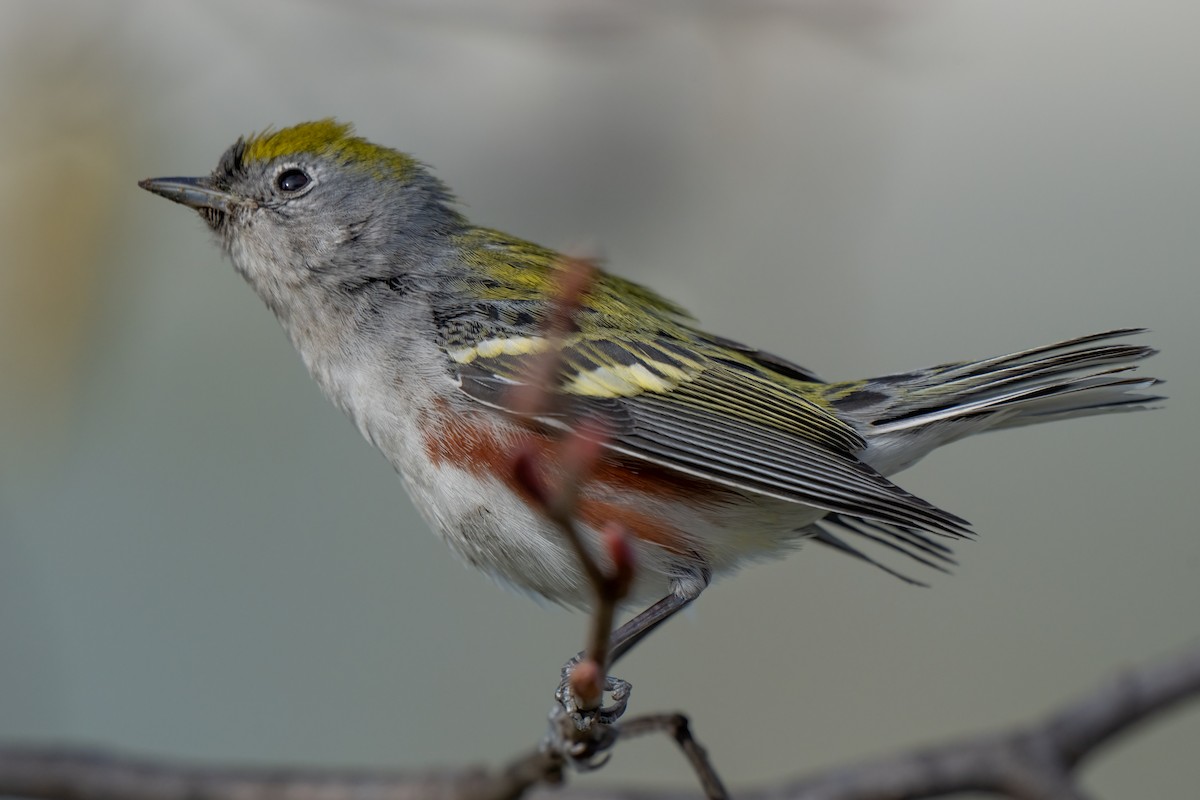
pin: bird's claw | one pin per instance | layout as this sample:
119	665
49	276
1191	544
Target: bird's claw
585	735
585	718
586	749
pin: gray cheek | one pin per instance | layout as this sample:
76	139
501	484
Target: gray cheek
318	243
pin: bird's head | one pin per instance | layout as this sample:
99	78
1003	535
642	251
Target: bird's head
314	207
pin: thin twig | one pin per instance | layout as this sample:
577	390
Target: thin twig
587	735
679	728
578	454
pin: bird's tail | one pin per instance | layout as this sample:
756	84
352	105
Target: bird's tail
905	416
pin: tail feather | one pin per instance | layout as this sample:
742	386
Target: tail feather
905	416
1053	381
988	365
1027	372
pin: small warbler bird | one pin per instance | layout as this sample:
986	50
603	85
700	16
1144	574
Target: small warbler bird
418	325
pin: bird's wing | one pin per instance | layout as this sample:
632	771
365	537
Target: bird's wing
732	429
672	395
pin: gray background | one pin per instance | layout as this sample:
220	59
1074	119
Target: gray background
200	558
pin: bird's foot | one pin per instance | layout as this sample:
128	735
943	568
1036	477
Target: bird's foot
585	713
581	727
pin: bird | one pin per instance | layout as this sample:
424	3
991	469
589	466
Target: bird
421	327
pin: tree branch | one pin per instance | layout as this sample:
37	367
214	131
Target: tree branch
1034	762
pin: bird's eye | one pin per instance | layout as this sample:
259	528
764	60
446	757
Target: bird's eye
292	180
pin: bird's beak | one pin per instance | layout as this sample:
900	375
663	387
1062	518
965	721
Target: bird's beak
197	193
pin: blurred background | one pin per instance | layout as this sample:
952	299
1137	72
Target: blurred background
201	559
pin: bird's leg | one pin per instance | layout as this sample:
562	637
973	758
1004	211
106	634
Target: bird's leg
684	590
639	627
